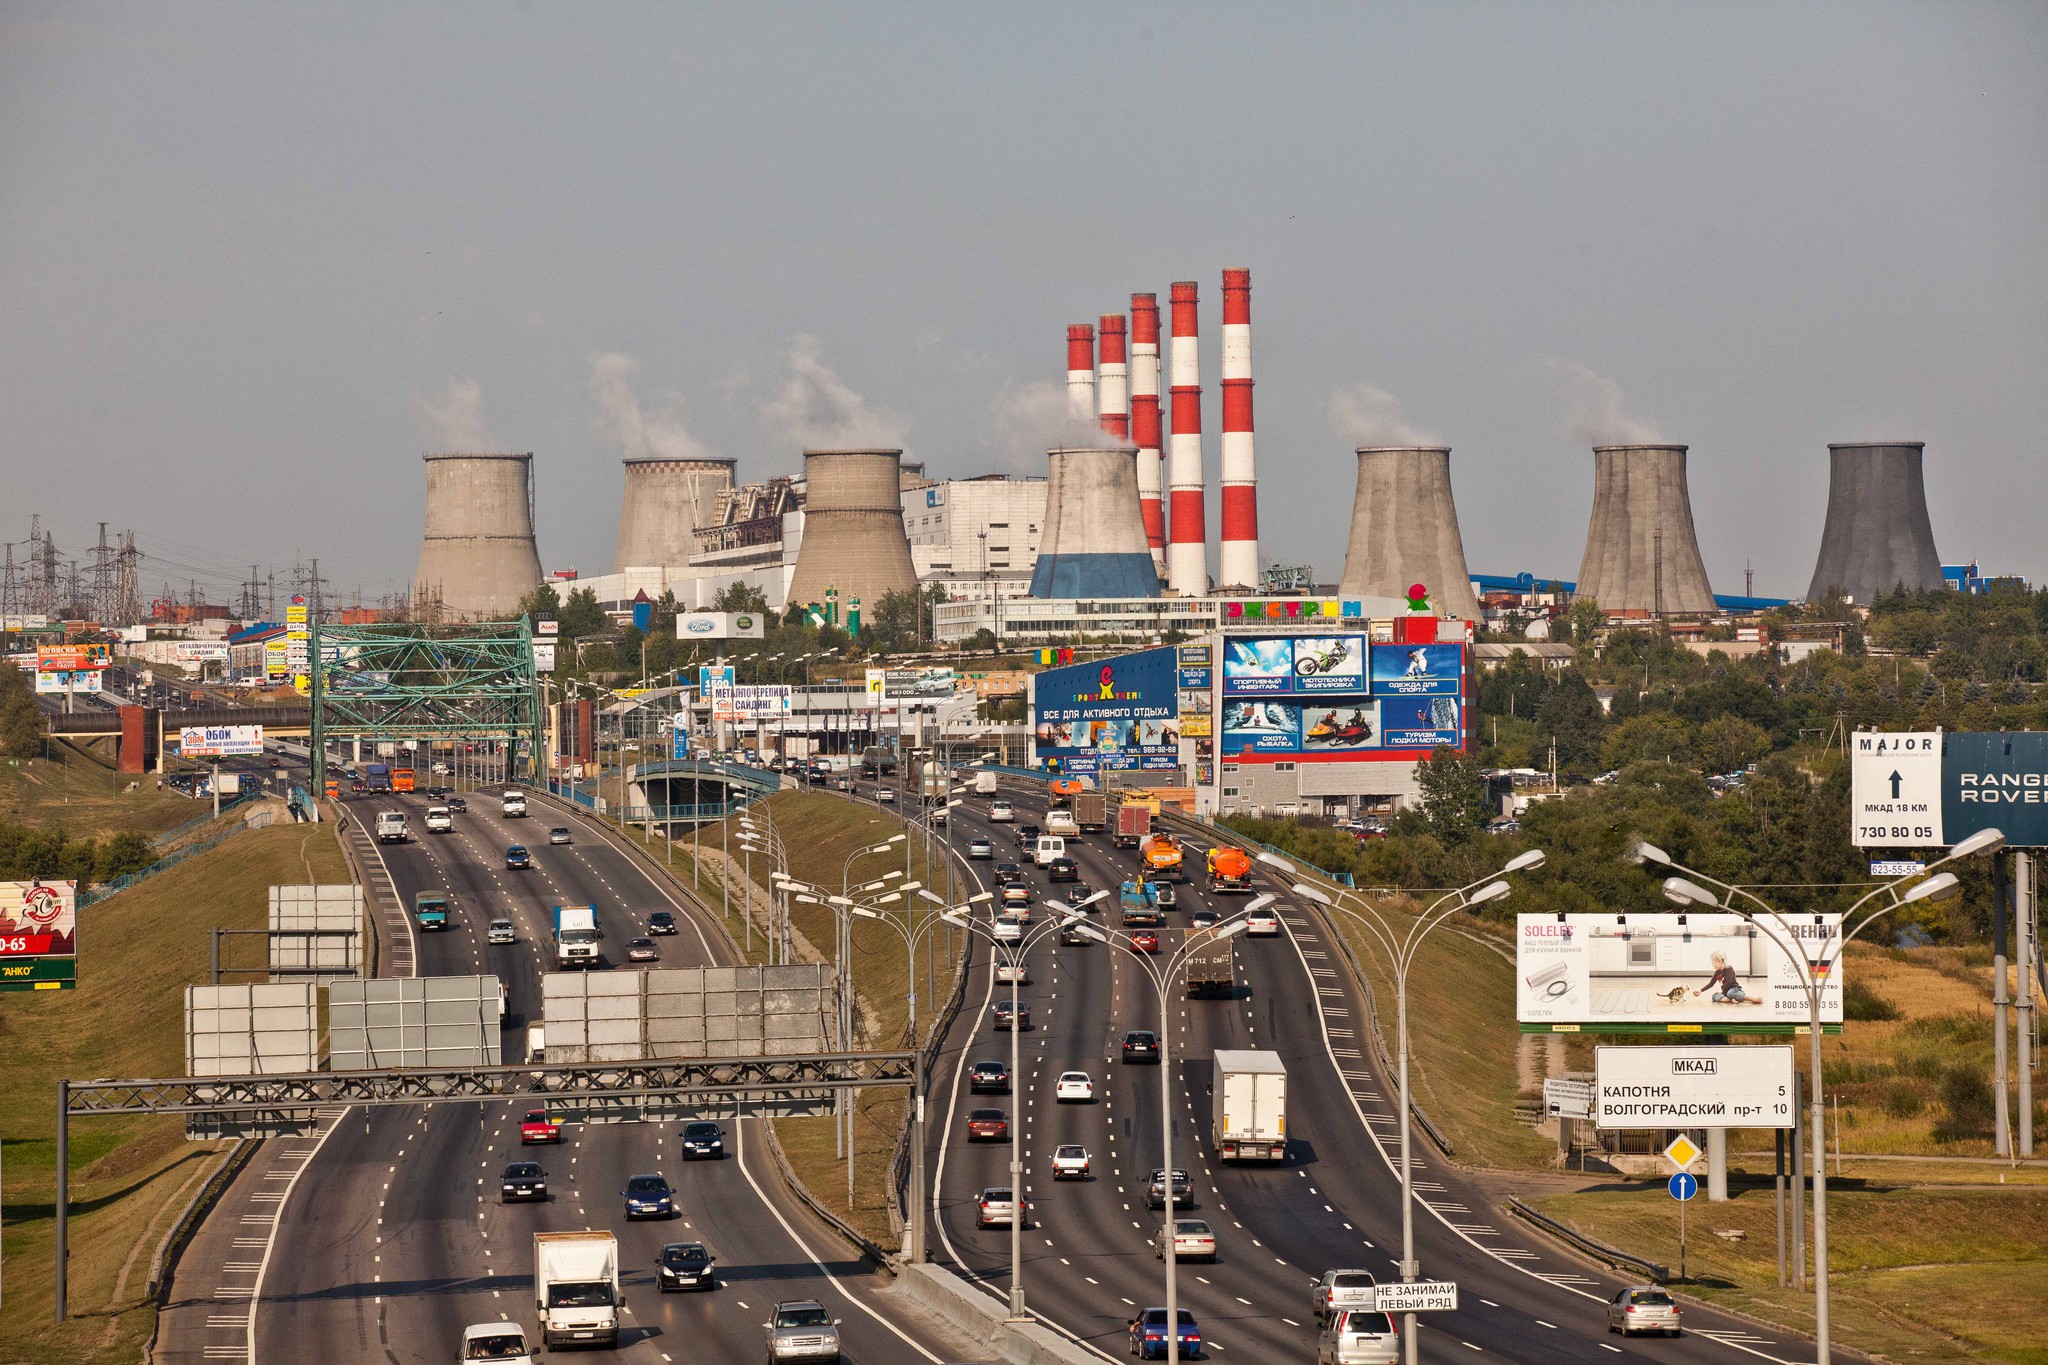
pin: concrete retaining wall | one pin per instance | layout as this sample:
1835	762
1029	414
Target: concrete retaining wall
980	1316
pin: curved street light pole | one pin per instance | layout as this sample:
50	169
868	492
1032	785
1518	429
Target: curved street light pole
1684	888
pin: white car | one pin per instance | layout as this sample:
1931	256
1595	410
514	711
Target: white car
885	796
1359	1337
1009	929
1013	969
501	931
1192	1240
1070	1162
1074	1086
504	1342
1002	812
1262	924
439	820
998	1207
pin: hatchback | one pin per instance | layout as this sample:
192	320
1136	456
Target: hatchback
1141	1045
703	1138
523	1181
1070	1162
501	931
648	1196
1148	1335
517	858
1144	941
558	835
1074	1087
685	1265
1193	1240
1359	1337
998	1208
1643	1308
1000	812
980	848
642	950
987	1125
988	1078
661	922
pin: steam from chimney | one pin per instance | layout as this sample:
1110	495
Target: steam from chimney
639	435
1367	416
1596	413
456	424
815	408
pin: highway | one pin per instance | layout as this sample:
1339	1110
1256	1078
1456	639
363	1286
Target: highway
1089	1261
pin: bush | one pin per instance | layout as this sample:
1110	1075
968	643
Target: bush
1902	1099
1966	1094
1861	1004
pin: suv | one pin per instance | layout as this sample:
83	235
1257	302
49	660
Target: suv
802	1330
1141	1045
1340	1291
501	931
1183	1190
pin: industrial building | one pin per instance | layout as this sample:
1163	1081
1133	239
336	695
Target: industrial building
976	537
1878	535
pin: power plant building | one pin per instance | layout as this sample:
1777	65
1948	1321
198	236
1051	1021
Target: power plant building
1404	530
853	539
667	501
1641	553
1094	543
976	537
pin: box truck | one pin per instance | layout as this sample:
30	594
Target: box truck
576	936
1249	1098
1212	964
1133	825
576	1288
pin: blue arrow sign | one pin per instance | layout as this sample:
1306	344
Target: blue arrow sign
1684	1187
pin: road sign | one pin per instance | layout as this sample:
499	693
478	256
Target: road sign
1682	1152
1895	789
1423	1296
1683	1186
1896	867
1717	1087
1568	1099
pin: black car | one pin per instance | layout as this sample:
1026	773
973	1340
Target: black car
1020	1019
1141	1045
661	922
517	858
456	803
1062	870
1007	872
1078	892
988	1078
703	1139
1183	1190
523	1181
1027	835
685	1265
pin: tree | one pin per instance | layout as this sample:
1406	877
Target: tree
739	596
1453	794
1657	735
541	603
22	726
1727	743
1572	713
1586	618
581	615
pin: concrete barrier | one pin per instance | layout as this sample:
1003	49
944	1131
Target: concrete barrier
979	1316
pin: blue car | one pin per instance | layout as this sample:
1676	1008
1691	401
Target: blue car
517	859
1148	1335
648	1196
703	1138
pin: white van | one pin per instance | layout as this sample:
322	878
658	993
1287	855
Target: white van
440	820
536	1043
984	784
1049	846
515	805
391	827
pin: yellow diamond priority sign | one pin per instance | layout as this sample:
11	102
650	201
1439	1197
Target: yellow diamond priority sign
1682	1152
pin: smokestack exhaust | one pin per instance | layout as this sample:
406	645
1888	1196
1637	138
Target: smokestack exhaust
1238	556
1145	422
1113	389
1878	535
1187	549
1641	552
1081	372
1404	530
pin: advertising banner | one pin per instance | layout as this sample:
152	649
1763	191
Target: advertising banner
72	658
1196	656
1421	722
220	741
81	680
1196	679
1895	789
1992	781
1298	725
200	652
1417	670
721	625
276	659
910	684
543	656
1715	973
714	685
1693	1087
1296	665
750	701
38	935
1116	714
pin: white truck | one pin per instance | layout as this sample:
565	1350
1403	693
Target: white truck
1249	1099
391	827
576	1288
576	936
984	784
515	805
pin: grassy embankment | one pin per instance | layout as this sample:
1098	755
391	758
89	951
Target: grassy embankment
129	1176
84	798
820	831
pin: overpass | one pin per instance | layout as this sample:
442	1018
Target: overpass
138	731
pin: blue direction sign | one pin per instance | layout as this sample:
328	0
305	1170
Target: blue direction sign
1684	1187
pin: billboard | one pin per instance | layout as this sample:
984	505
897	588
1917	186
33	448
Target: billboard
721	625
72	658
38	935
910	684
200	651
1693	1087
220	741
1417	670
68	680
1421	722
1713	973
543	656
276	659
1109	715
1295	726
1930	789
1294	665
750	701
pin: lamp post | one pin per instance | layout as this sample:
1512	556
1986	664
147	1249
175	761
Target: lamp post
1400	949
1062	914
1683	888
1161	978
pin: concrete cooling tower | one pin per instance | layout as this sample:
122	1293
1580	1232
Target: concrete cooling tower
1404	530
1094	540
666	501
854	539
478	556
1641	553
1878	535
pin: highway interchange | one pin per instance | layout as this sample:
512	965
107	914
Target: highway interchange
388	1237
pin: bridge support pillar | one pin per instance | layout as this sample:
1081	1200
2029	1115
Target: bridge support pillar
132	750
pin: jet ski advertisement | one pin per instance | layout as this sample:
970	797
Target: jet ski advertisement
1300	727
1297	665
1108	715
1417	670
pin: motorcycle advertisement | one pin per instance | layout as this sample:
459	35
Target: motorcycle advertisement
1297	665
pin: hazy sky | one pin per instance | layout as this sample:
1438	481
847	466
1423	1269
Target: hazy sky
255	259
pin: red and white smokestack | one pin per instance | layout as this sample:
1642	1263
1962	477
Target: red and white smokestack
1113	389
1187	549
1238	556
1081	372
1145	421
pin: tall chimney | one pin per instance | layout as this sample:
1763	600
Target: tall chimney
1238	557
1081	372
1187	550
1878	535
1114	391
1145	421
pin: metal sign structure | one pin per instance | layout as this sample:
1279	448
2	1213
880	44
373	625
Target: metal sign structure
408	681
1678	1087
415	1021
1933	789
1567	1099
1895	789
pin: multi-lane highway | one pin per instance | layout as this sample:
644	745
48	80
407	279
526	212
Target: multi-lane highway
1089	1259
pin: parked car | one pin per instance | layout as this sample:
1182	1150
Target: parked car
1359	1337
1062	870
978	847
1070	1161
998	1207
661	922
1001	812
648	1196
988	1077
1003	1017
501	931
523	1181
1149	1336
685	1265
801	1329
987	1125
1643	1308
559	835
703	1138
1193	1240
642	950
1141	1045
517	859
1074	1087
1183	1189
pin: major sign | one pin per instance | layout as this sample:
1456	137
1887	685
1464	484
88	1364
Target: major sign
1929	789
1694	1087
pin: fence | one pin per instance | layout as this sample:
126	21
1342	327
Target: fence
96	894
172	835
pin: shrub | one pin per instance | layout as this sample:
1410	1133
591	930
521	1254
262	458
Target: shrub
1966	1094
1861	1004
1902	1099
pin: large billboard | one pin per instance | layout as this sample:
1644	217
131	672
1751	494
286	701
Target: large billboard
721	625
220	741
38	935
911	684
68	680
1338	696
1928	789
73	658
1113	714
1697	973
1294	665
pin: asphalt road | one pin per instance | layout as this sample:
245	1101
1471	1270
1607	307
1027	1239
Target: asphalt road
1089	1259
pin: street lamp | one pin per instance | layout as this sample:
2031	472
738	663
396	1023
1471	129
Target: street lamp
1400	950
1683	887
1162	978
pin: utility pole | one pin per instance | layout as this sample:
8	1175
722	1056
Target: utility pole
1658	570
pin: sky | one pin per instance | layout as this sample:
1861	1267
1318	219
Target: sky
256	259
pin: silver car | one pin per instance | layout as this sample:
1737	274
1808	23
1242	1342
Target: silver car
1359	1337
1643	1308
501	931
802	1330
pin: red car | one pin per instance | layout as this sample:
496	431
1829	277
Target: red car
1144	941
987	1125
539	1126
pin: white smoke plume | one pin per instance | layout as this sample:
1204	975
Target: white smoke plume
1367	416
1025	421
639	434
456	425
1596	413
816	408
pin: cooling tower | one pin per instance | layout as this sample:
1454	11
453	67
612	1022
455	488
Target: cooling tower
1404	530
1094	539
478	555
667	500
1641	554
853	528
1878	535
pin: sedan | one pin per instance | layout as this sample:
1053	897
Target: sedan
1070	1162
1079	892
988	1078
1148	1335
1074	1087
523	1181
1141	1045
703	1138
1004	1019
998	1207
885	796
1008	929
987	1125
1062	870
648	1196
517	859
1013	970
1192	1240
1643	1308
1008	872
1017	893
1001	812
1203	919
978	847
642	950
501	931
661	922
685	1265
1360	1337
559	835
1262	924
1144	941
1183	1190
457	804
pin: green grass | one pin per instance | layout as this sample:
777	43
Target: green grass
137	953
85	798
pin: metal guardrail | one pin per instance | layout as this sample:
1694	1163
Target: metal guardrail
1598	1250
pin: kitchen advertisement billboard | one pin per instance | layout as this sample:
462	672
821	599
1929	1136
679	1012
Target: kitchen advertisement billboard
38	935
1112	714
1713	973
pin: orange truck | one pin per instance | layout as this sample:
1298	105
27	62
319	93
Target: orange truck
1161	855
1230	870
402	779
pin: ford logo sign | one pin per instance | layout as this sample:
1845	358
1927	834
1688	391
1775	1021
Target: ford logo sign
701	627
